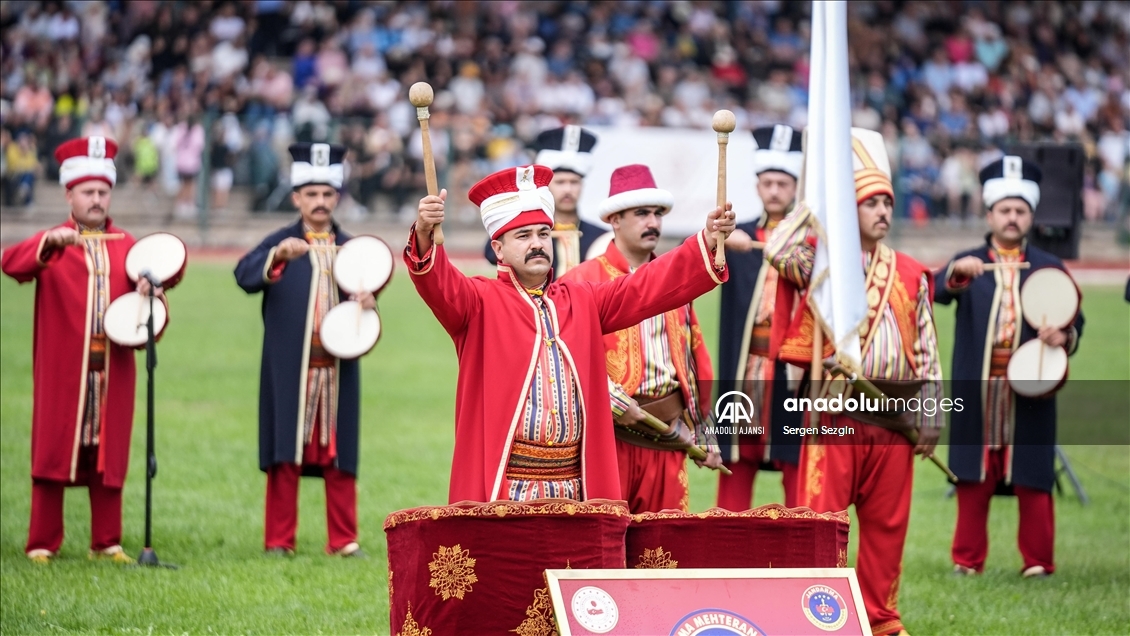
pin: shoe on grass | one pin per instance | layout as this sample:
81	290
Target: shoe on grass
1035	572
279	552
351	551
962	570
40	556
113	554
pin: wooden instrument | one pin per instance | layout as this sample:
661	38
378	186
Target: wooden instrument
693	451
421	96
865	387
724	123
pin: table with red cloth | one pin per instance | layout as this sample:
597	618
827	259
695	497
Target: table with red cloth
770	536
474	568
479	568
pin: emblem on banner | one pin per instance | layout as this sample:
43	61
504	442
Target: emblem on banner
824	607
715	622
595	609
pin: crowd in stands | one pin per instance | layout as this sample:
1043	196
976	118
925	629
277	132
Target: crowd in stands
215	91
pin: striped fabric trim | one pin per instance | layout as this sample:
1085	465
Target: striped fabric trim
321	379
96	385
551	416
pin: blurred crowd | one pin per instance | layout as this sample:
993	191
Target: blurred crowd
204	96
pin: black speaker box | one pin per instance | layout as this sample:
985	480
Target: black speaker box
1058	223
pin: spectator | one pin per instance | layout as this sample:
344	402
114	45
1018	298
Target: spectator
304	61
310	117
146	158
187	141
22	168
220	162
227	26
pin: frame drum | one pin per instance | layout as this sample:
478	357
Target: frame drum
1049	298
1034	373
163	254
363	264
349	332
127	319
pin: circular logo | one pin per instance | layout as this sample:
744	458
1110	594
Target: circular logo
824	607
595	610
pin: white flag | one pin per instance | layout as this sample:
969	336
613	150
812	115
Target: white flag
837	294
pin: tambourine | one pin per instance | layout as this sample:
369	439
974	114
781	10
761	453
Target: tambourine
126	320
163	255
1037	369
1049	298
363	264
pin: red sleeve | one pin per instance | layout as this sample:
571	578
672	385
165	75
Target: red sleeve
24	260
450	295
666	283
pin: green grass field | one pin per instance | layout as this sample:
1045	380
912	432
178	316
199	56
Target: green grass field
209	492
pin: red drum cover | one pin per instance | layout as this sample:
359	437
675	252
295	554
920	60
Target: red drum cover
472	568
768	536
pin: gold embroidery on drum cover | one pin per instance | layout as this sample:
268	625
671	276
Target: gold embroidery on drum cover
411	628
656	559
539	619
453	572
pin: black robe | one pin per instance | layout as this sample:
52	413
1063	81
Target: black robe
737	298
282	377
589	233
1033	450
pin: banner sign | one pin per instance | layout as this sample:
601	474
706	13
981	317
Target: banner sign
708	602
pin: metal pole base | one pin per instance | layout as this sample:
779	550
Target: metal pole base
149	558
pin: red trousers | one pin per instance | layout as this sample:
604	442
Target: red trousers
1035	536
652	480
735	492
876	474
281	527
46	529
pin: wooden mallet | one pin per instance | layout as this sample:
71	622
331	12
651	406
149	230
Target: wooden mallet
724	123
421	96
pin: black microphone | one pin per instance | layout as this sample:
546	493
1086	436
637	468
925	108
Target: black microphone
148	275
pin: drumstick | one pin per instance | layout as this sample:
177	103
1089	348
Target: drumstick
1040	364
723	124
1012	265
420	94
359	286
332	248
101	237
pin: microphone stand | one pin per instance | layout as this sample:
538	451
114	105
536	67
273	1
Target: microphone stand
148	557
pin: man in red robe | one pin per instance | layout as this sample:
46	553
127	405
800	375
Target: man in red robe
531	408
873	467
82	414
660	365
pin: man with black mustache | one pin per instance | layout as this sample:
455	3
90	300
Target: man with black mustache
755	306
660	365
873	467
309	401
82	414
1001	440
567	151
531	406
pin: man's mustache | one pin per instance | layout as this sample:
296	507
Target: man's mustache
534	253
883	219
320	209
1012	226
96	208
648	233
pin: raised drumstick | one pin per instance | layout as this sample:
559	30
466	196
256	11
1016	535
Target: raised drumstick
421	95
723	124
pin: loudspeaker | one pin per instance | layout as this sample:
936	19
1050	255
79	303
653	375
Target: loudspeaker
1057	225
